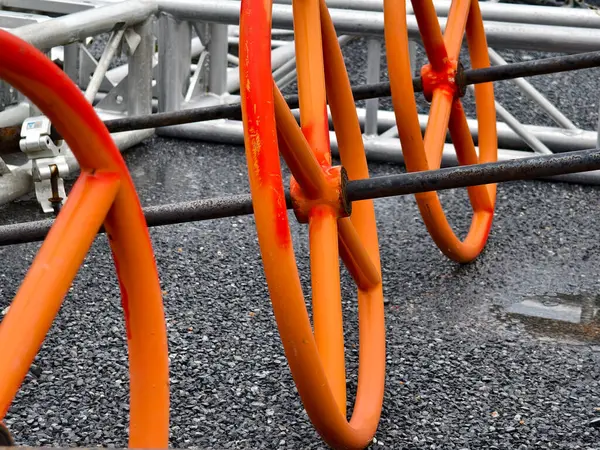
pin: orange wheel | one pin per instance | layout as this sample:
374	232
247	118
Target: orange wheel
103	194
441	88
316	360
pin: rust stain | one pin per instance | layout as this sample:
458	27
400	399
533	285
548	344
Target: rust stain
282	229
255	146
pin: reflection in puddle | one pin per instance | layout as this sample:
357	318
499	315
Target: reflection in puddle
555	316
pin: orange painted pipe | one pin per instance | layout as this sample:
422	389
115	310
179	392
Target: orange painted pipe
296	150
446	112
33	74
325	277
311	82
437	124
431	33
309	174
360	258
40	296
308	368
455	27
327	299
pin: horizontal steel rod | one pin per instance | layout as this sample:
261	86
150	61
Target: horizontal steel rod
10	137
473	175
378	187
535	67
472	76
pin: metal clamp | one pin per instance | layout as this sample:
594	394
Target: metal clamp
48	164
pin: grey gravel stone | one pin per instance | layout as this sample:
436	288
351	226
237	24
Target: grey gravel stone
460	372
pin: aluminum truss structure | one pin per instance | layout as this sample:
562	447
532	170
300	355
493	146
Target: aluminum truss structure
179	55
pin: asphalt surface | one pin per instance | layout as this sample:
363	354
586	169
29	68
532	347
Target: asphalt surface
463	369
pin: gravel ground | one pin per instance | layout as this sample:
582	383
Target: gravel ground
462	371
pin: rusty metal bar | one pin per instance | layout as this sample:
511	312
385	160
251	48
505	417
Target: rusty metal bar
371	188
9	137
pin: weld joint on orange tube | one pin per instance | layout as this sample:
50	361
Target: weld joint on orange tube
335	196
451	79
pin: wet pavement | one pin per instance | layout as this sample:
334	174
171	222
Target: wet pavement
501	353
565	318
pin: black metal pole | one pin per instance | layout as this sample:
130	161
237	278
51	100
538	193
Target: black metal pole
233	111
191	211
378	187
364	92
476	174
543	66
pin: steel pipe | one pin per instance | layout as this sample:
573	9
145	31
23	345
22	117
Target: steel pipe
499	34
356	190
77	26
53	6
497	12
556	139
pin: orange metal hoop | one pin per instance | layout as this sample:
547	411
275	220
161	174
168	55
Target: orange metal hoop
441	88
104	193
316	360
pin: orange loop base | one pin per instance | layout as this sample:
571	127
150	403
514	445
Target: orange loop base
316	354
443	84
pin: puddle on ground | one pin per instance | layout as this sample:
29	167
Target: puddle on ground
556	317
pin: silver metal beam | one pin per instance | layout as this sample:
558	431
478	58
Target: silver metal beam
78	26
54	6
12	19
490	11
218	48
527	88
499	34
376	148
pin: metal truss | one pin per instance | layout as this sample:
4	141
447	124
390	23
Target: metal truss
180	55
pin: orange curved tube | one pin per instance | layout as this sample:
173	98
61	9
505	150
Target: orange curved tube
104	189
446	113
315	359
309	174
431	33
325	275
63	252
455	27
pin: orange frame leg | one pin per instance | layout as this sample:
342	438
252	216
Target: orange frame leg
105	194
316	359
439	80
